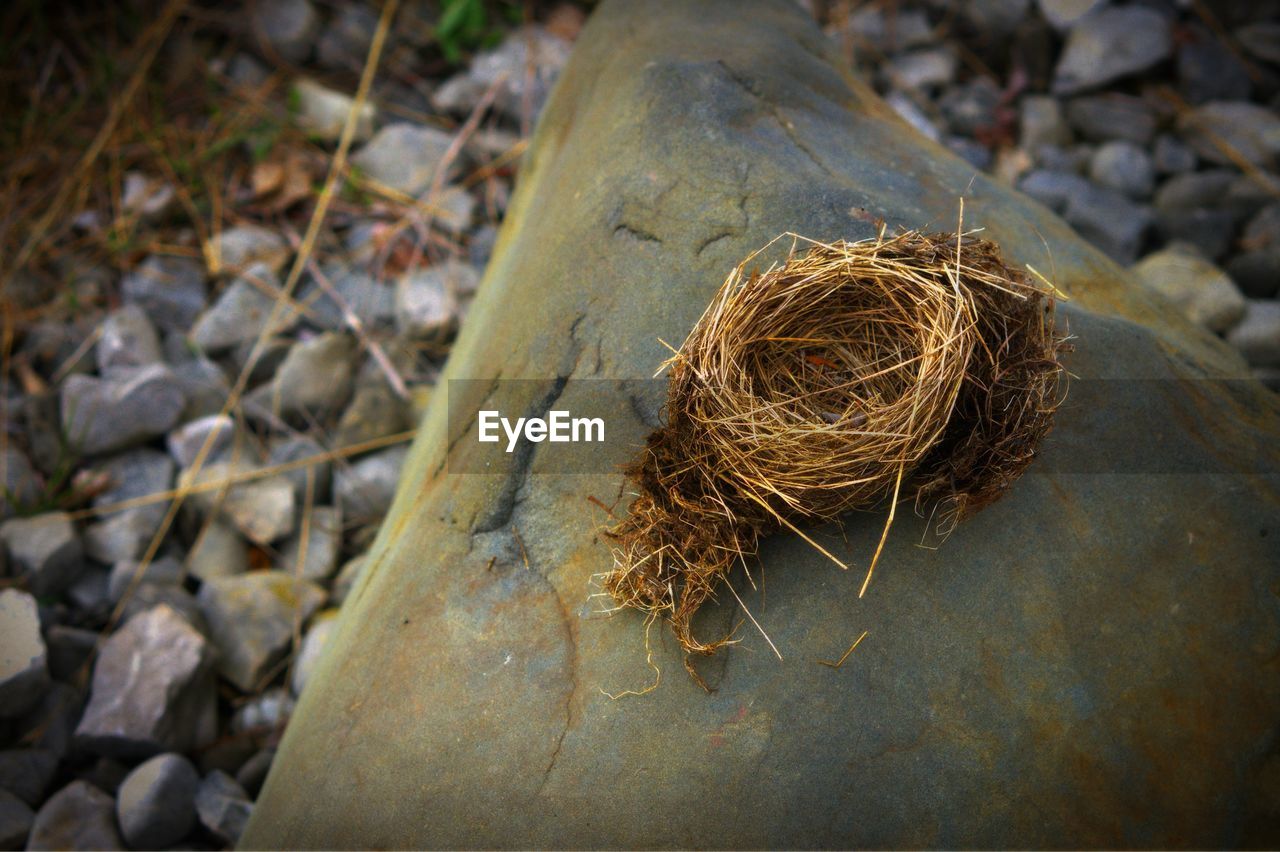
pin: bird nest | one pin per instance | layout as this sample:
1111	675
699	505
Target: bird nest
848	376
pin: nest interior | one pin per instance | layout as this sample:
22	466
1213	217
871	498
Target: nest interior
847	376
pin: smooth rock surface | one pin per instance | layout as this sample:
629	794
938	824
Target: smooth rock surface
24	666
251	620
152	689
79	816
156	803
1087	663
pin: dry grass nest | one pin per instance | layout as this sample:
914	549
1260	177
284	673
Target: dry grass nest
842	379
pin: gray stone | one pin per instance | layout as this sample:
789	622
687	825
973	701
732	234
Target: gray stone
452	209
128	339
295	449
911	113
253	773
347	578
970	150
264	713
322	112
251	619
170	289
163	571
1109	44
133	405
152	690
314	380
223	806
1258	334
1263	229
16	817
148	596
890	29
1257	272
262	508
156	804
523	67
204	385
1209	230
404	157
371	301
79	816
1011	679
971	107
45	550
1203	291
149	199
51	724
24	667
375	409
243	312
1043	123
186	442
220	551
69	650
1124	167
126	534
27	773
1113	115
21	481
345	41
1108	220
313	643
425	305
1194	189
922	69
1064	14
995	18
289	27
1209	70
324	545
1225	131
1172	156
89	593
365	487
1262	40
242	248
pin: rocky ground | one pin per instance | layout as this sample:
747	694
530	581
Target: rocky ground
157	336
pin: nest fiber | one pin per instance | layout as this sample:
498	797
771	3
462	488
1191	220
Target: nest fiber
847	376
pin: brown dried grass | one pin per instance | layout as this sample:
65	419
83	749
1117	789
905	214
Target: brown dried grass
819	387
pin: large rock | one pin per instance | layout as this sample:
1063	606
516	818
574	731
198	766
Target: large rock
152	690
1088	662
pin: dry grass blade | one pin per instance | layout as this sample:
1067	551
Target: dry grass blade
828	384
